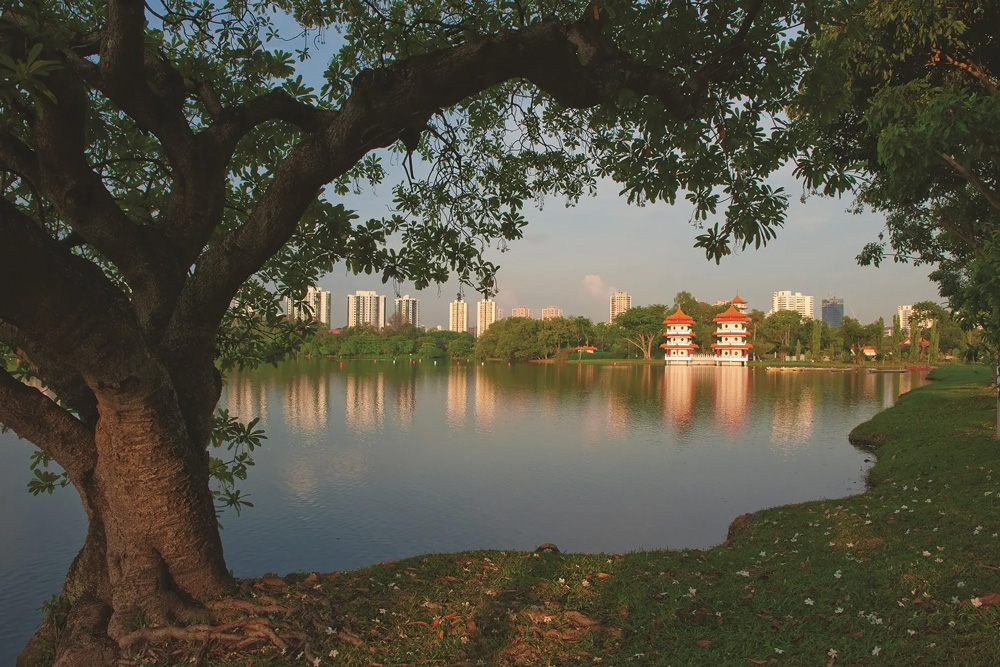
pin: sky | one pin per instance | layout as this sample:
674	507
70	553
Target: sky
575	257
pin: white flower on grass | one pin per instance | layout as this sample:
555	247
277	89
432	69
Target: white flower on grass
954	599
743	573
585	583
832	653
960	584
911	632
977	530
334	653
692	591
927	554
778	651
838	610
951	623
976	602
809	602
876	650
561	580
837	575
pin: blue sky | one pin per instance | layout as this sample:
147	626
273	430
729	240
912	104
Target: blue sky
574	257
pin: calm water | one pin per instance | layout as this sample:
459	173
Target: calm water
370	462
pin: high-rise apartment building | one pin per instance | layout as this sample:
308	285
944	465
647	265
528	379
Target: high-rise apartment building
785	300
408	309
833	311
458	316
906	320
620	302
486	314
366	308
522	311
315	306
551	312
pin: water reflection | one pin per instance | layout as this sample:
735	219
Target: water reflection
364	403
678	395
792	420
245	398
458	396
307	401
731	395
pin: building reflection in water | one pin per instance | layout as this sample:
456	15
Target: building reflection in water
245	396
364	404
404	396
678	395
792	422
731	398
485	398
307	401
458	396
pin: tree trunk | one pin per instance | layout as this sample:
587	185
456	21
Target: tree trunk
153	550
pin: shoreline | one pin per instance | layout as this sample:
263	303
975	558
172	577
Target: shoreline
899	574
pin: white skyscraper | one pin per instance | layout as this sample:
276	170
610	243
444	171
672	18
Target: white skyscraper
798	302
409	309
486	314
551	312
366	307
620	302
458	316
318	302
522	311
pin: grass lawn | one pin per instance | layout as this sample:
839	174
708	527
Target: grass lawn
904	574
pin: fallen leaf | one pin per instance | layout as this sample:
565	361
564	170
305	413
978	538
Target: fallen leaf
757	662
702	643
579	619
990	598
860	634
603	575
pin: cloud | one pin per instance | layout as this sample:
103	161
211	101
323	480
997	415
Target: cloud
595	286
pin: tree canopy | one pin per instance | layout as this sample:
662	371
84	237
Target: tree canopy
167	176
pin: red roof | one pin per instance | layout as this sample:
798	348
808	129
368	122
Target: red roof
737	299
731	315
679	317
689	346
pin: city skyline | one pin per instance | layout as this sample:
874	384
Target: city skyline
577	256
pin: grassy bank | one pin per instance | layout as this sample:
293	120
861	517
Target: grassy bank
899	575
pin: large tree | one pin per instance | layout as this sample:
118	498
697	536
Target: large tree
902	107
641	327
166	177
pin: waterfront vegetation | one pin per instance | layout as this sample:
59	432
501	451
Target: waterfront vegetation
638	331
904	574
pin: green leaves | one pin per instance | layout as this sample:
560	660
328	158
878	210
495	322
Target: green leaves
43	479
240	441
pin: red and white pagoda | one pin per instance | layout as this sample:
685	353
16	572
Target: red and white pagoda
678	348
731	346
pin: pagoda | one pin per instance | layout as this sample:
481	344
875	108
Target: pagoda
678	348
740	304
731	346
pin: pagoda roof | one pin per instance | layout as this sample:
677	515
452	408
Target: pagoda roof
731	315
742	346
737	299
679	317
689	346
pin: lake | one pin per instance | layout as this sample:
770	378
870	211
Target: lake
366	462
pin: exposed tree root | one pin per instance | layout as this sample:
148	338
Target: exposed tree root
245	606
254	628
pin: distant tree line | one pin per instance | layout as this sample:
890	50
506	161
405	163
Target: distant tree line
638	333
398	338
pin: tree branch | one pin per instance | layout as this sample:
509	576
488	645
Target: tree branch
68	384
992	197
35	417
